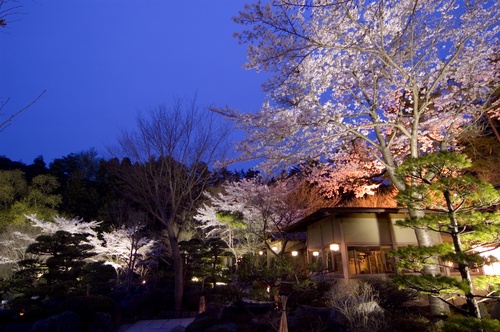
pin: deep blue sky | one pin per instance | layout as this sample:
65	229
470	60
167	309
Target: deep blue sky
102	60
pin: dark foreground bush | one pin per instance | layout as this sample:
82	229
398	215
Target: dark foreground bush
389	296
410	322
66	321
88	306
307	318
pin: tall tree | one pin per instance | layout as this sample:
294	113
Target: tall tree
404	76
40	200
438	181
78	174
170	155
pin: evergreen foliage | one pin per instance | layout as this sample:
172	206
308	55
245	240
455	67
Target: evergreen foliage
60	266
463	215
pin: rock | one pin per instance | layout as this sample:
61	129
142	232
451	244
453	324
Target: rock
370	308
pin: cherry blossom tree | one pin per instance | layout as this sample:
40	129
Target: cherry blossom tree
406	77
249	210
72	226
14	244
123	248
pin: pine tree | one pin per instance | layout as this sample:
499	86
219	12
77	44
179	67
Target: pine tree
64	254
462	202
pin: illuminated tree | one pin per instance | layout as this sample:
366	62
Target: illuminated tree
120	247
246	212
123	248
406	77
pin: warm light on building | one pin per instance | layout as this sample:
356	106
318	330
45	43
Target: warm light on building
493	268
261	253
295	253
275	249
315	253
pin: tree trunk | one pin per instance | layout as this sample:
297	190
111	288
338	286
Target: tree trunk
462	268
178	266
424	239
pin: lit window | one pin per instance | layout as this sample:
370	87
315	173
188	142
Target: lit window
369	260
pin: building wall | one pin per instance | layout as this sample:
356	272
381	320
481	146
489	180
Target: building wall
406	236
364	241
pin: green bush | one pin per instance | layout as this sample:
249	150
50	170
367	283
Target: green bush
226	294
308	292
470	324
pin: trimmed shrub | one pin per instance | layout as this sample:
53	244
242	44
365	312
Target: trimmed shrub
463	323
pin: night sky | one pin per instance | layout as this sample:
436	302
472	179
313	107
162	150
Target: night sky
100	61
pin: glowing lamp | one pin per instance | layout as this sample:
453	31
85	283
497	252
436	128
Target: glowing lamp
334	247
295	253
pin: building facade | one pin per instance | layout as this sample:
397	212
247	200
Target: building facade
352	243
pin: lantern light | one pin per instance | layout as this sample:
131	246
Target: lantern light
334	247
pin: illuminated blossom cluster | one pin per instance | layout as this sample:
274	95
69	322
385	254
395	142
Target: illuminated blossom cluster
118	247
407	77
256	208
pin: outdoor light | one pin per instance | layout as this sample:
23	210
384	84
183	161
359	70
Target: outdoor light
295	253
275	248
261	253
334	247
316	253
